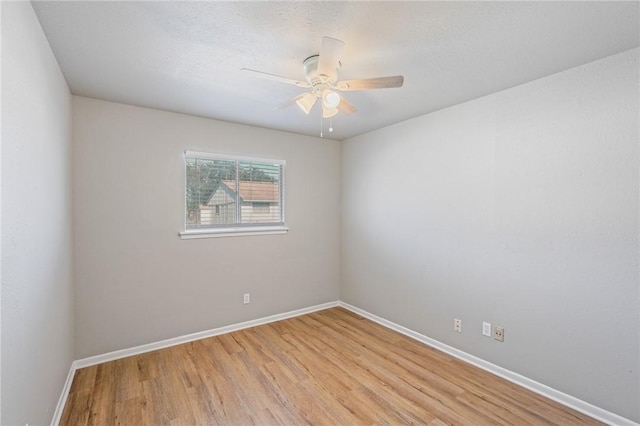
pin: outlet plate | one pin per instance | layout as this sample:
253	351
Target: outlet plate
486	329
498	333
247	298
457	325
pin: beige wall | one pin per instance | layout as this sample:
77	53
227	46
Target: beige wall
37	284
136	281
519	209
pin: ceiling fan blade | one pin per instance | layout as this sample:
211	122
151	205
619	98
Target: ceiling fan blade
330	54
370	83
274	77
345	107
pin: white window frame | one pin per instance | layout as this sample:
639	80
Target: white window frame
232	231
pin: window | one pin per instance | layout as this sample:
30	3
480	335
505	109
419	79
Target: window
227	195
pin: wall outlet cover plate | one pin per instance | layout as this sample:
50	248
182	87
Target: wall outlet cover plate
486	329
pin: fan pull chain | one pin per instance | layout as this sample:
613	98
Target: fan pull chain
321	124
330	126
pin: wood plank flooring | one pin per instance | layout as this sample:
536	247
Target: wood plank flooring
325	368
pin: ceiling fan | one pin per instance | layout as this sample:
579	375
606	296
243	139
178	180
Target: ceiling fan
321	77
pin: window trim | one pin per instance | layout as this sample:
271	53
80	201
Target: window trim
213	156
237	230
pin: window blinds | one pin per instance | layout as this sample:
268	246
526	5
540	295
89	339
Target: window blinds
225	191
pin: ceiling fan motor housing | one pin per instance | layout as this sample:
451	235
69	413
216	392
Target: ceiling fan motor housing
319	82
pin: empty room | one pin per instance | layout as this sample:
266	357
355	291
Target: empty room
320	212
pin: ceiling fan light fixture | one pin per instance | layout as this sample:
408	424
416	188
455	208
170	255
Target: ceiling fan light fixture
330	99
328	112
306	102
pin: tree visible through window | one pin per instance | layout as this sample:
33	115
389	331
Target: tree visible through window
228	192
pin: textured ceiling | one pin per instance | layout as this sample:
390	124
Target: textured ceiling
186	56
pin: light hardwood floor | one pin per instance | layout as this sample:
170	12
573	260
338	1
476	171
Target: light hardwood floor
328	367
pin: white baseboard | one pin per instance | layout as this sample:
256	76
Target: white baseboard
555	395
544	390
64	395
123	353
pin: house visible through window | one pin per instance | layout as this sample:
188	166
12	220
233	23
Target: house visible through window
233	192
261	207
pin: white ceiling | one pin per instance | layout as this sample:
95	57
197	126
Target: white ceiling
186	56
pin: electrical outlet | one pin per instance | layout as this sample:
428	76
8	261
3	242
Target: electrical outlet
247	298
486	329
457	325
498	333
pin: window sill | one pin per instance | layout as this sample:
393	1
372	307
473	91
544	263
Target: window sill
232	232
